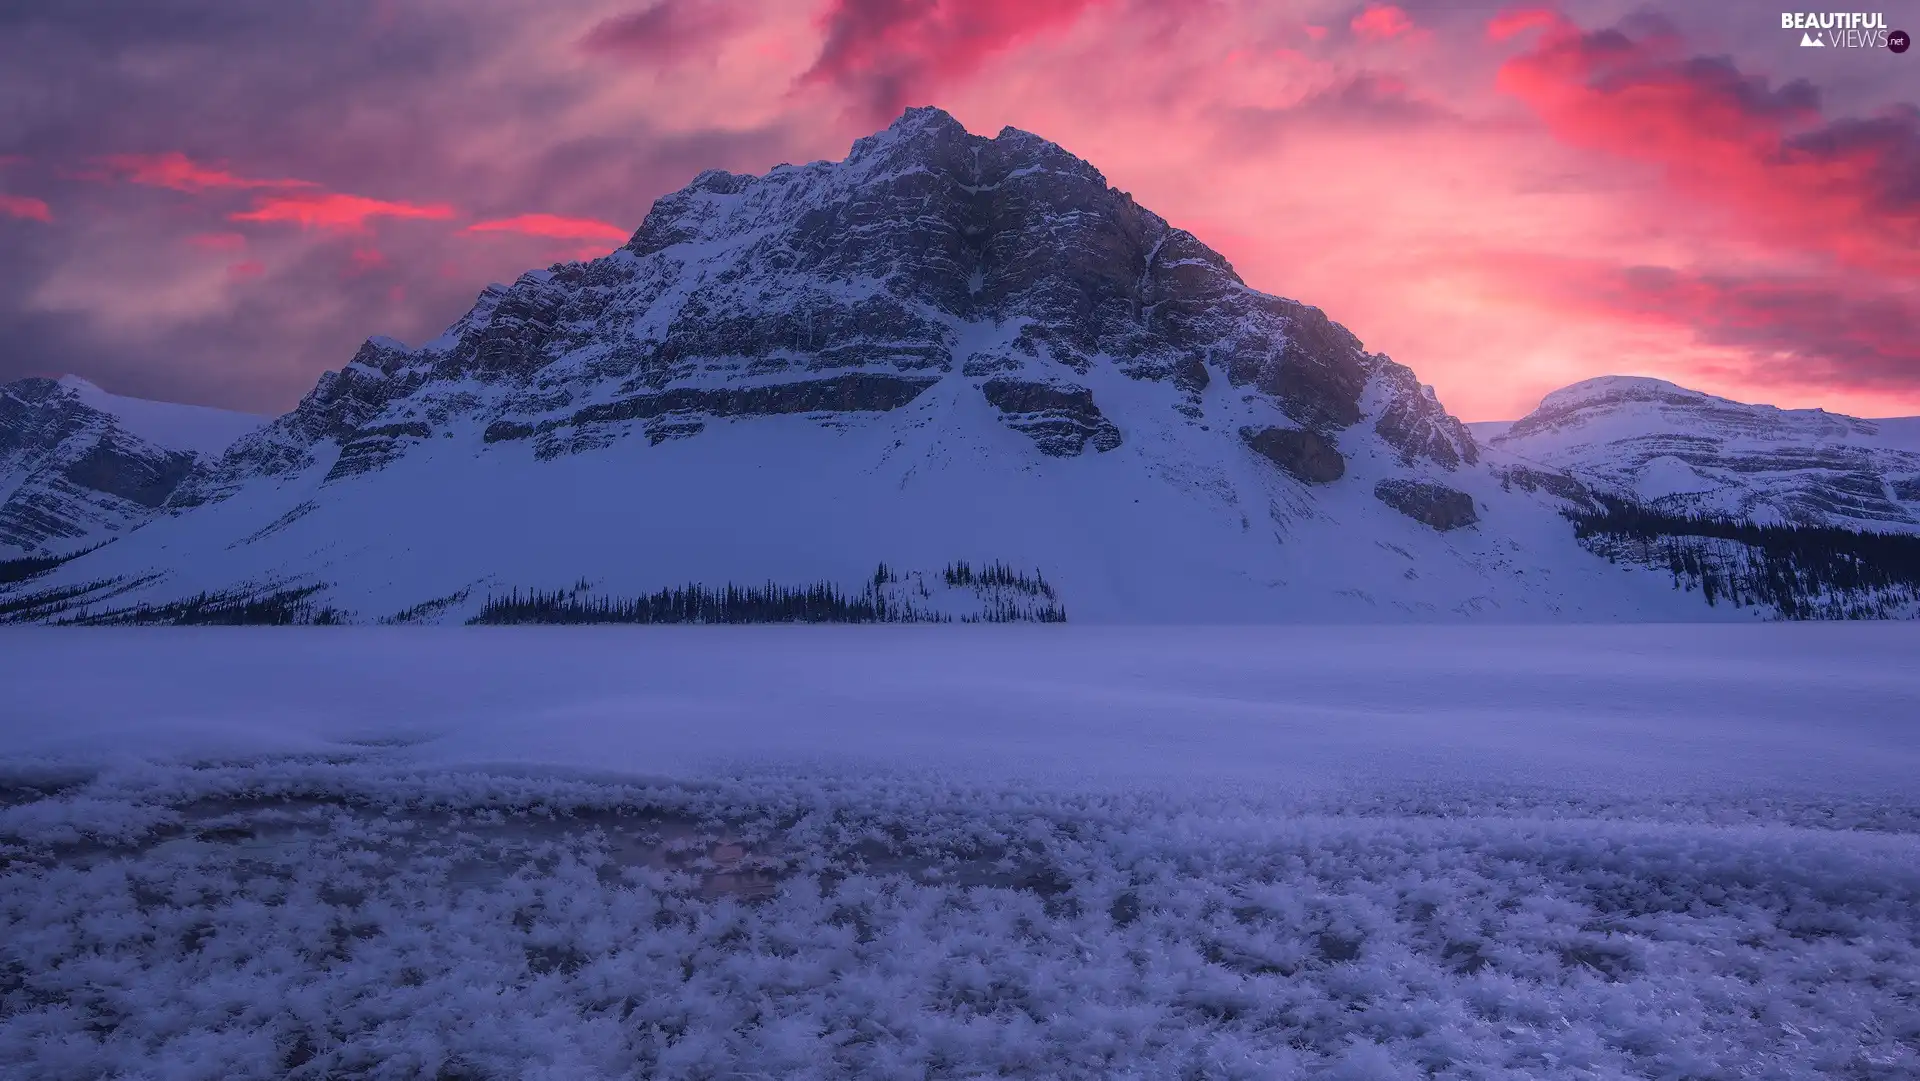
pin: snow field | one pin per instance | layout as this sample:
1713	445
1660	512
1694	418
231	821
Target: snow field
308	919
807	852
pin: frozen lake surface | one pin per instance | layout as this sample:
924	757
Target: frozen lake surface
1355	852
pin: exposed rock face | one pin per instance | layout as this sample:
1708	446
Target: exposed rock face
1560	485
1413	420
1307	455
128	468
1436	505
1062	421
72	475
328	421
681	406
1684	451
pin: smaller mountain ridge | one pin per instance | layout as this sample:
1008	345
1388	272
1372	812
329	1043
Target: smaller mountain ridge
1686	452
80	466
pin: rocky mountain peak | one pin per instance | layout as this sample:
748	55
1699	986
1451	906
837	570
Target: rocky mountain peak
928	253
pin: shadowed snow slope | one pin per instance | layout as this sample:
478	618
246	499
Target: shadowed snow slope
1020	852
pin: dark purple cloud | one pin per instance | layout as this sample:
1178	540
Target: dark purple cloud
668	30
339	148
891	53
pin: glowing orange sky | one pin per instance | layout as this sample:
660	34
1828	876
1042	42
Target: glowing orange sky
1506	199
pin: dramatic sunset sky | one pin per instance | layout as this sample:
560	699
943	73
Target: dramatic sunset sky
215	201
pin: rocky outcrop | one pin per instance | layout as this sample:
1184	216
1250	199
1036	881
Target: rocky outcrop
1563	486
370	448
1413	421
1436	505
1307	455
859	393
329	418
122	466
1061	420
865	392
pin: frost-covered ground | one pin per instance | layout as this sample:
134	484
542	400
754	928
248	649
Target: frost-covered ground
1608	852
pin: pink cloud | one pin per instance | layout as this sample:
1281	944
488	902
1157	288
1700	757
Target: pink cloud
218	241
1381	22
251	268
552	226
669	30
893	52
1515	21
25	207
179	172
336	211
1845	332
1848	189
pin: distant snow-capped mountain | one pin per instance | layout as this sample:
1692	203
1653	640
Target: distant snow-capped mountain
79	466
1684	451
947	377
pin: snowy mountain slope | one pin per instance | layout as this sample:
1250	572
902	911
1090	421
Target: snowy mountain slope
201	429
79	466
1901	433
943	348
1684	451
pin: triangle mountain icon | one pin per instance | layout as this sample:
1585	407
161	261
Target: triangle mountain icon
1808	40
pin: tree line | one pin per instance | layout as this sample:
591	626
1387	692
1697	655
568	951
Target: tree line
1804	571
821	602
962	574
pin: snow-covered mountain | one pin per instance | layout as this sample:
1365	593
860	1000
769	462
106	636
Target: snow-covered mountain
1687	452
948	376
79	466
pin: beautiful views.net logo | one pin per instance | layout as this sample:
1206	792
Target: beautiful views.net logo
1844	30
